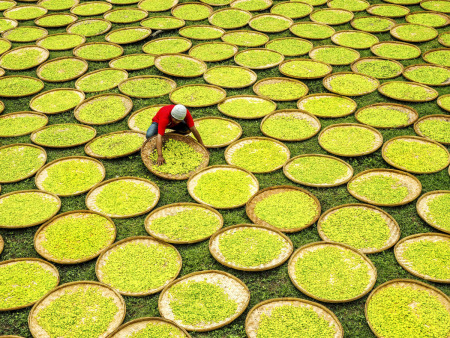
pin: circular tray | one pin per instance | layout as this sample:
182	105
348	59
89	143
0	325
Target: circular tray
192	98
229	82
330	11
282	257
390	23
219	31
132	124
429	91
147	31
231	285
141	324
13	116
411	182
374	48
124	17
99	82
327	83
394	229
167	40
17	55
255	51
305	68
107	292
298	32
313	54
230	122
251	38
64	58
278	80
76	51
40	236
136	64
58	46
409	18
422	208
150	146
208	48
292	11
438	117
249	99
335	38
170	83
395	34
364	5
36	133
187	17
289	50
20	91
24	34
270	29
352	104
39	180
50	92
444	51
160	59
232	14
265	308
76	9
246	4
22	9
72	26
39	23
163	19
443	40
88	150
372	10
341	181
158	6
51	6
410	112
441	103
118	246
430	7
355	65
425	65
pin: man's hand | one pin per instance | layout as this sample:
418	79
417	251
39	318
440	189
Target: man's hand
161	160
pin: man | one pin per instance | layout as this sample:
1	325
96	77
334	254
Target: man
175	117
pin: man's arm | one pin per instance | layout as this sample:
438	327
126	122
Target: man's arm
197	135
161	159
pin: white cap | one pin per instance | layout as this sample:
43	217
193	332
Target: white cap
179	112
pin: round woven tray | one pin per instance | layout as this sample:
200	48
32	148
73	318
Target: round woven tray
44	265
412	139
96	189
36	223
300	114
266	66
237	2
439	117
77	83
229	151
370	10
252	74
262	194
422	207
313	51
79	22
441	39
411	112
327	83
38	180
427	88
256	17
425	65
249	97
440	103
442	15
377	144
23	77
355	65
107	292
88	150
280	68
147	34
394	228
182	22
253	319
173	209
211	17
267	45
150	145
159	59
136	325
101	261
398	37
293	16
131	119
192	105
192	182
393	23
203	5
335	38
407	265
5	34
269	80
21	7
181	32
35	134
335	184
140	5
172	83
43	156
250	32
73	16
76	50
225	120
297	24
211	43
44	56
374	47
39	41
39	237
414	284
177	38
427	53
107	14
128	103
311	16
284	255
230	284
111	63
23	113
302	101
318	245
411	182
74	3
41	67
85	4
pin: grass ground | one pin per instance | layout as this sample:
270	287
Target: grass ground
263	285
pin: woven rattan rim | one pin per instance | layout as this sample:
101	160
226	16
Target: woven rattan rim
422	207
327	79
58	200
44	265
313	51
159	66
88	150
140	323
6	33
182	22
267	45
371	8
111	63
39	41
23	77
23	113
2	107
38	238
6	41
425	65
2	244
131	119
428	52
270	80
282	17
335	37
414	139
341	181
106	14
439	117
441	104
250	32
87	3
311	9
35	134
405	264
15	8
35	170
211	17
172	83
441	39
189	43
77	49
150	145
252	74
302	101
442	15
235	50
75	2
79	92
230	98
191	105
280	68
41	67
182	30
204	5
397	36
284	255
80	22
244	293
411	182
77	83
38	180
311	16
291	29
192	182
90	197
234	123
43	57
75	18
252	321
374	47
247	140
427	88
37	331
411	112
394	229
174	3
135	239
377	144
262	194
355	64
127	102
134	28
393	23
268	4
310	247
266	66
438	294
166	211
301	114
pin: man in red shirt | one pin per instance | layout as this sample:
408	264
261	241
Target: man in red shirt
175	117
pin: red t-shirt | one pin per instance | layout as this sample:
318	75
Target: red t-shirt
162	117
